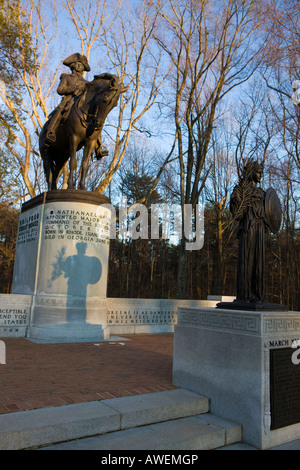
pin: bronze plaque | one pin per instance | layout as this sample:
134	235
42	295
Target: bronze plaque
284	388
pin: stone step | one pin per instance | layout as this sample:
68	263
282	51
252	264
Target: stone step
37	428
237	446
201	432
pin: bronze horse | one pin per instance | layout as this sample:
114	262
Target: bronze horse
81	128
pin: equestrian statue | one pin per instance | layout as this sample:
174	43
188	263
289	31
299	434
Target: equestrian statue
77	121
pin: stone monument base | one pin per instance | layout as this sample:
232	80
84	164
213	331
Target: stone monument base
63	319
14	315
248	364
62	263
65	332
253	306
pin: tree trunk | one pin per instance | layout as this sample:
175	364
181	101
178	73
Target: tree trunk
219	273
182	272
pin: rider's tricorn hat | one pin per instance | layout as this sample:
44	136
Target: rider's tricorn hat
77	58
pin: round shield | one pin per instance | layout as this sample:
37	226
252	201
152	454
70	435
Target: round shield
273	210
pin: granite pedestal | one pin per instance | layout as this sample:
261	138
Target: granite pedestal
248	364
62	261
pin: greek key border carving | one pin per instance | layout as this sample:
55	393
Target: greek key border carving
281	324
231	321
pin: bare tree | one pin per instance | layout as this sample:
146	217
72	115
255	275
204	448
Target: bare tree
120	41
218	188
280	19
281	66
132	54
211	55
90	20
25	103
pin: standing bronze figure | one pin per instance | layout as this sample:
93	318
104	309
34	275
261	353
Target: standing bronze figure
77	121
257	211
247	205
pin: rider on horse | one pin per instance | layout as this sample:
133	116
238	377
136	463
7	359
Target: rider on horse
70	86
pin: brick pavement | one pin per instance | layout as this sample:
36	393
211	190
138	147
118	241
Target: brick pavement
41	375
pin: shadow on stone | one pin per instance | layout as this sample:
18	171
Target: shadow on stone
80	270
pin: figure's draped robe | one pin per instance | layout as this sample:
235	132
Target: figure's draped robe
251	235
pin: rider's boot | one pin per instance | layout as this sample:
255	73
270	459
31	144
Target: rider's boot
53	125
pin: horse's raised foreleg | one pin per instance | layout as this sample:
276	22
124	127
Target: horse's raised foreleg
88	149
